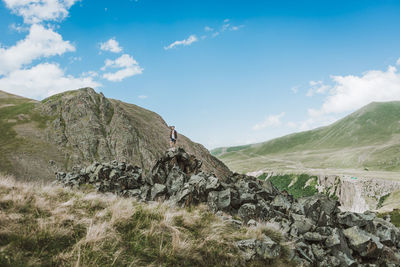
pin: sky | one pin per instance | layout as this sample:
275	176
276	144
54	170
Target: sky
223	72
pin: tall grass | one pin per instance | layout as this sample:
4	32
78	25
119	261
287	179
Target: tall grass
55	226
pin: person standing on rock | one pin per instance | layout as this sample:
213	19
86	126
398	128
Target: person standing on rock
173	135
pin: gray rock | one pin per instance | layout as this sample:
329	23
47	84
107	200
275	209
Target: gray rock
267	248
247	247
247	211
212	183
319	252
334	239
362	242
387	232
251	222
247	198
157	190
212	200
351	219
310	236
224	199
302	223
280	201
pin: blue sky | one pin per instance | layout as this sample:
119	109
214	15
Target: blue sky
223	72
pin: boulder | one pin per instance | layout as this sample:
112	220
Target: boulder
267	249
364	243
247	211
387	232
157	190
224	199
316	237
212	183
302	223
350	219
281	202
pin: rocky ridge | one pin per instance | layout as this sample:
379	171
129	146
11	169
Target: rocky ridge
320	234
80	127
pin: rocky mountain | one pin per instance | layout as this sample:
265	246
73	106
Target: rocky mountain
79	127
368	139
319	233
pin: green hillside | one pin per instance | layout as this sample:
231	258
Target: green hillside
368	138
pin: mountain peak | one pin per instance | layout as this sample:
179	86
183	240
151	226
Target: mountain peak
81	126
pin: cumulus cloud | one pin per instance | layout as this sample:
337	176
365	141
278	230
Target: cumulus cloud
208	29
271	120
352	92
142	96
40	42
295	89
111	45
129	67
43	80
37	11
317	87
191	39
398	61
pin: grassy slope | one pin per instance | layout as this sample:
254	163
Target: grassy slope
55	226
15	112
369	137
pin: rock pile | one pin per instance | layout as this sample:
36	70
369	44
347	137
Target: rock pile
321	234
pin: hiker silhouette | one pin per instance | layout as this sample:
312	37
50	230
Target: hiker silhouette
173	135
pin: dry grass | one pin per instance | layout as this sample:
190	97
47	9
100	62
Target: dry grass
56	226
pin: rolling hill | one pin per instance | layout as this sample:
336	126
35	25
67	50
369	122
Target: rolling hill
81	126
368	139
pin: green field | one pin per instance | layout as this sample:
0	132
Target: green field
368	139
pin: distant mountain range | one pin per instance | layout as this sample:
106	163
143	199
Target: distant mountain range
368	139
77	127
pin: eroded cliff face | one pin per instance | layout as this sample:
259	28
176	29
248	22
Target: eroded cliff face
355	193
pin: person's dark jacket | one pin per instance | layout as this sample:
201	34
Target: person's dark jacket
176	134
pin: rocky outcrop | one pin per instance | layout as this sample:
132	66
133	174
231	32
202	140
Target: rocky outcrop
322	235
82	126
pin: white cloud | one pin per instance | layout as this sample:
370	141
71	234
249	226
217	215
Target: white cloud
352	92
317	87
129	65
225	27
111	45
191	39
291	124
43	80
142	96
40	42
208	29
18	27
398	61
295	89
271	120
37	11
